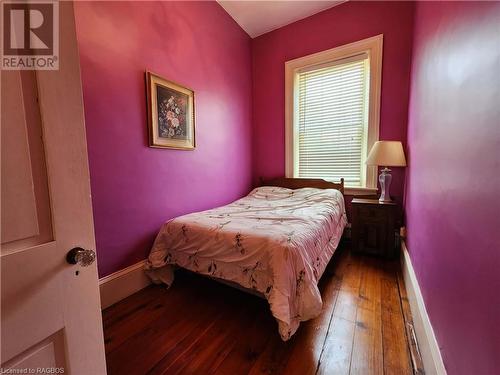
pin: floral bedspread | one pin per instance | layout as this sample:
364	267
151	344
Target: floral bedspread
276	241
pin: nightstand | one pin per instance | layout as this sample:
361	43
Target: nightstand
373	227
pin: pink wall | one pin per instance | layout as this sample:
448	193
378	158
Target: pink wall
453	186
346	23
136	188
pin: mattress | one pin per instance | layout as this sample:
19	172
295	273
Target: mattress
276	241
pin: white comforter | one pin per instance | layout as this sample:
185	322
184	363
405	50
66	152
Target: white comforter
276	241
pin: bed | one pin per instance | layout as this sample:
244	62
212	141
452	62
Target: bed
276	242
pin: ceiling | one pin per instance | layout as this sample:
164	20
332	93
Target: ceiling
260	17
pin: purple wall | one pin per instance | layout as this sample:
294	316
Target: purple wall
346	23
452	198
136	188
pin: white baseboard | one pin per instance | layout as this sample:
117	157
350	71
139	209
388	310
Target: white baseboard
123	283
428	346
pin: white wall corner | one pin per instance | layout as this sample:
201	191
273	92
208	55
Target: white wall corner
427	343
123	283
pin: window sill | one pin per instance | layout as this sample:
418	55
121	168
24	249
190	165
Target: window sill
360	191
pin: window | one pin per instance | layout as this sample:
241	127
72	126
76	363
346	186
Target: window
333	113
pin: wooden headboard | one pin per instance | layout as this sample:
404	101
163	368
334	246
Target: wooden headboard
298	183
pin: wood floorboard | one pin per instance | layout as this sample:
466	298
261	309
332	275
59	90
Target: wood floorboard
199	326
395	343
306	353
138	320
367	353
248	349
416	357
337	350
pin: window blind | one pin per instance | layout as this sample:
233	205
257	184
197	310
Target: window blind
332	121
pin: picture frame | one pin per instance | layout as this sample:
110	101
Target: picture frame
171	119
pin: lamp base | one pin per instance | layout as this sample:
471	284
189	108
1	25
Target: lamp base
385	179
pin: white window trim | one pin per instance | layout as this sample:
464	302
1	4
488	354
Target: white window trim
373	47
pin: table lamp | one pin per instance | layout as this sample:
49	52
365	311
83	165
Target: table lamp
386	154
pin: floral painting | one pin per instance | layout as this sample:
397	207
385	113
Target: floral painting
170	114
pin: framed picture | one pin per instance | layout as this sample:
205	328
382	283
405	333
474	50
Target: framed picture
170	114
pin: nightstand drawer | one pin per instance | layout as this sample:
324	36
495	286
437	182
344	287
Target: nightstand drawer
372	214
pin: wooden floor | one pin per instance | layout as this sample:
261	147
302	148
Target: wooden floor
202	327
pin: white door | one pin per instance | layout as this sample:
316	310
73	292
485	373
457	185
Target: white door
50	310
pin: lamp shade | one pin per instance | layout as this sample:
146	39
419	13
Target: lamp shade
387	154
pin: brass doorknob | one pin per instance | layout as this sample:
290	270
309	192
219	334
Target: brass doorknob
80	256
